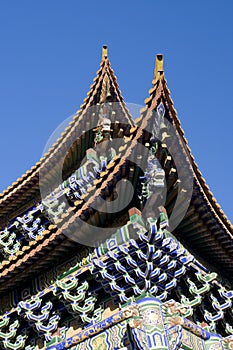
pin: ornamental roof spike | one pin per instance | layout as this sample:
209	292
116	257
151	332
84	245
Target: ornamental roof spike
104	52
158	72
95	94
157	79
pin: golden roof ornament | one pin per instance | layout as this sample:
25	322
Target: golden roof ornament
158	73
104	52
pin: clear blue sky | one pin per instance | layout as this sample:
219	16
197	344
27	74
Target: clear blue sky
50	51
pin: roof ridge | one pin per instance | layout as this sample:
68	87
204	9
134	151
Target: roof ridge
159	82
105	68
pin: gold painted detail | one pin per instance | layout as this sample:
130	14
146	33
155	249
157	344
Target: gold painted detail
104	52
158	73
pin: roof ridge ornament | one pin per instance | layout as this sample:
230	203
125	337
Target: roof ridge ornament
158	73
104	52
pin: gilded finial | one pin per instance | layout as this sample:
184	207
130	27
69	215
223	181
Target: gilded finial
158	67
104	52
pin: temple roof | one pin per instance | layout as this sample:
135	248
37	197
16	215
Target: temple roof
205	227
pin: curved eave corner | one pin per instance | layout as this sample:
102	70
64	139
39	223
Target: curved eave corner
30	178
160	88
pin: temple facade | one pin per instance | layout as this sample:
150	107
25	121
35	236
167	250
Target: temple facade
113	240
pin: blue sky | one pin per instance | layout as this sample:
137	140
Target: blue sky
50	51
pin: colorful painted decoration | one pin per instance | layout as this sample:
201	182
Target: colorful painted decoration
143	287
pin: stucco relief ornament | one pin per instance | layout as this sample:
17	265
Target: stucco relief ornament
173	308
228	343
131	311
